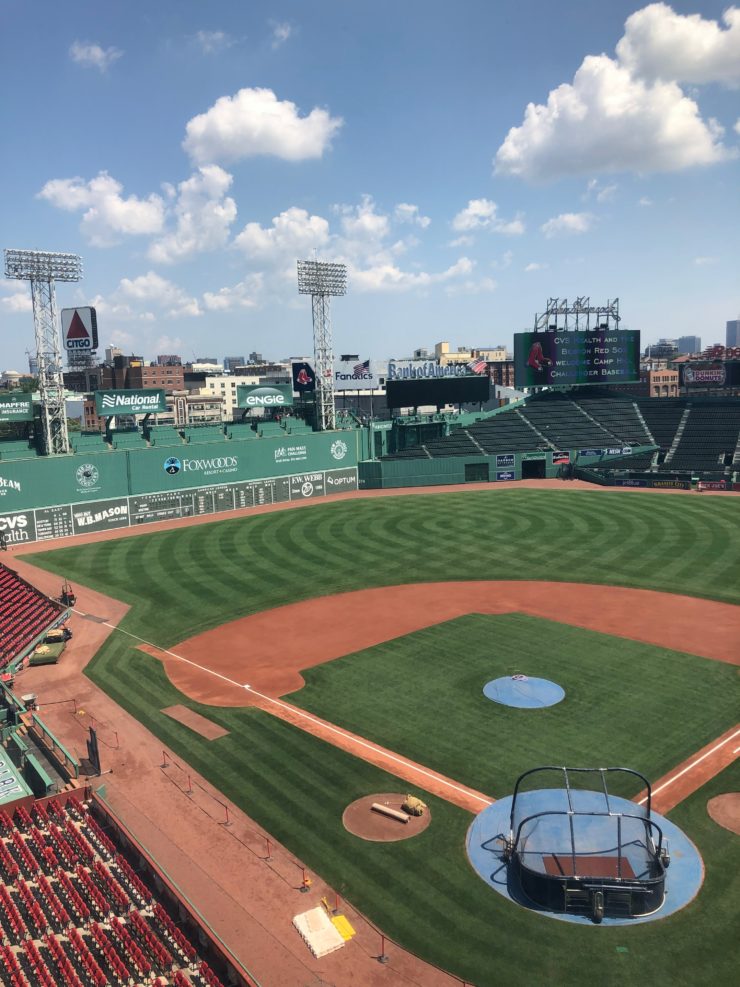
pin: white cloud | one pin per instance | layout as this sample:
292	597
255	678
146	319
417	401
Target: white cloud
254	122
245	294
19	299
482	214
280	33
93	56
705	261
362	222
204	215
568	223
405	212
535	266
168	344
462	241
471	286
645	201
737	126
658	43
609	121
211	42
293	234
478	214
107	214
602	193
154	289
388	277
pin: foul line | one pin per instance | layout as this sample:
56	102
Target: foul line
299	712
692	765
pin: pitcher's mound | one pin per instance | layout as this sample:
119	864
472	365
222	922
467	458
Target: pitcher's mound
363	821
725	810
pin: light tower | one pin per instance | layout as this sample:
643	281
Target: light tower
321	280
43	269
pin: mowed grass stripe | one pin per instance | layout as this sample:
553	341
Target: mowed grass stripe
422	891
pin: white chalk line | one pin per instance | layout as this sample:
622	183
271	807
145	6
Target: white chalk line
693	764
321	723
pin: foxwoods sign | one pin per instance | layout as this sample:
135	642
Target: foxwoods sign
421	369
130	402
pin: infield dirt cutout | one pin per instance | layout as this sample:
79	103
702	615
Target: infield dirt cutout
360	819
725	810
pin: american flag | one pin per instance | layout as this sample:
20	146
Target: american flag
361	368
478	365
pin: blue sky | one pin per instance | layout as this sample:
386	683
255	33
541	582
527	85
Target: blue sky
466	161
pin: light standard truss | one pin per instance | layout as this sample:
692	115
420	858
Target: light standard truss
321	280
43	268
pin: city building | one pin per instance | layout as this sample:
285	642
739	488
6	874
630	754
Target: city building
689	344
663	348
733	333
169	360
232	362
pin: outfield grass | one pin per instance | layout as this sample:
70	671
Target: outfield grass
422	891
627	703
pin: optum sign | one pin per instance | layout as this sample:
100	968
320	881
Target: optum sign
264	396
134	401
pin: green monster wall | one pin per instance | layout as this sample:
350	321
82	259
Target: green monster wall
56	497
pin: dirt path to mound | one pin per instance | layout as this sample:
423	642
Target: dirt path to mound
267	650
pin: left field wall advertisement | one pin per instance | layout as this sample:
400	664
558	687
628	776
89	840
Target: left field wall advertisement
16	408
43	499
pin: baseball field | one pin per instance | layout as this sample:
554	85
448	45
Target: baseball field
635	698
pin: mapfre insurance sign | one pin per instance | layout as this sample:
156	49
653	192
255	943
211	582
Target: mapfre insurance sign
80	329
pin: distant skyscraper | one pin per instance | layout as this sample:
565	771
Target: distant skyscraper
169	360
33	365
733	333
689	344
232	362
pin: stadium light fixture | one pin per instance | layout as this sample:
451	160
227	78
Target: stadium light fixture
322	280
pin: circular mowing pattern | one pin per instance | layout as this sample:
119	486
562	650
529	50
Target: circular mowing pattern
523	692
484	845
360	820
725	811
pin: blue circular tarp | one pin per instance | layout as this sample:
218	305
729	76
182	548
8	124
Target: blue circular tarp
523	692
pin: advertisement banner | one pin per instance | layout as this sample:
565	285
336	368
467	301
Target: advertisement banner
16	408
304	378
560	458
424	369
594	356
80	329
505	475
306	485
339	481
712	485
354	375
591	452
17	527
132	401
631	483
505	460
264	396
100	515
671	484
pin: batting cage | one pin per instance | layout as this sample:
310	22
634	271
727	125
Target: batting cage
576	847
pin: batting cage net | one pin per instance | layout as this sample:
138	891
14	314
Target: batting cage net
576	847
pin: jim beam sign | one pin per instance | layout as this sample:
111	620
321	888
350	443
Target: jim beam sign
80	330
134	401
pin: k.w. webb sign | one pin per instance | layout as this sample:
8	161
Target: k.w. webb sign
130	402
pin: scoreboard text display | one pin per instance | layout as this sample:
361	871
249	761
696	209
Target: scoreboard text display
437	391
594	356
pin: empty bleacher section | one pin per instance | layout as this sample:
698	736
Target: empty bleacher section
708	439
88	442
663	416
164	436
565	425
203	433
620	417
75	911
25	614
17	449
128	439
